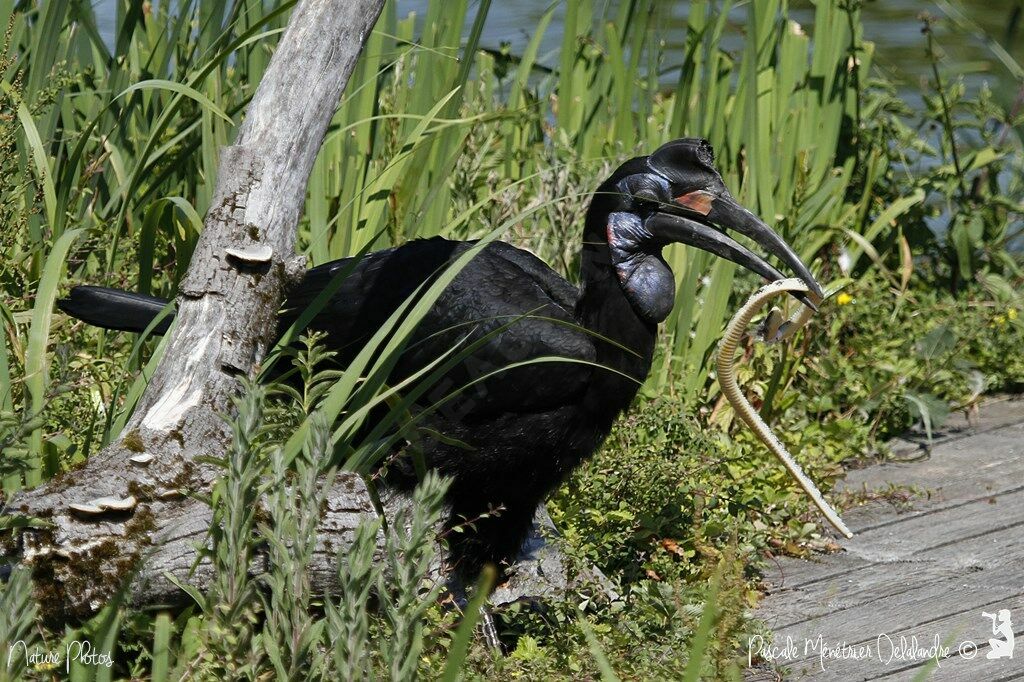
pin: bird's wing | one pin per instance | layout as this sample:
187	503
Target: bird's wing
371	288
521	314
553	284
505	300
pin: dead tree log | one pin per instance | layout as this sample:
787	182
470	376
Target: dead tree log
129	501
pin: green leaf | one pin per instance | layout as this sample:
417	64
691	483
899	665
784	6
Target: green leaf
936	343
885	219
607	673
181	89
196	595
14	521
962	248
161	648
36	360
701	638
39	156
983	157
460	643
932	411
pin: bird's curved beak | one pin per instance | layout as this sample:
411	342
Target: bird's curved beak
701	221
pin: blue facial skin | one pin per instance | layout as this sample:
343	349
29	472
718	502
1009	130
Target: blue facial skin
675	195
645	277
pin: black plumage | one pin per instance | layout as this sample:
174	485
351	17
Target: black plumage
513	437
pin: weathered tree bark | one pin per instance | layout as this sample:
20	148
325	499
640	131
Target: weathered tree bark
129	502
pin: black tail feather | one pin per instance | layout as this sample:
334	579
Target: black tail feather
115	309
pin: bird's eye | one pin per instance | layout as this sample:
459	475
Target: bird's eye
646	199
645	191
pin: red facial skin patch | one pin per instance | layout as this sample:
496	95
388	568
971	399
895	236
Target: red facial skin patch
699	201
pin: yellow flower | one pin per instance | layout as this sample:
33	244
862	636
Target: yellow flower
844	299
999	320
1012	313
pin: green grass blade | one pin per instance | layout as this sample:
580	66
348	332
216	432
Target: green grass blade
181	89
36	360
699	645
460	643
161	648
607	674
39	156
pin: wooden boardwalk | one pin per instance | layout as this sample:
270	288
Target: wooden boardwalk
927	573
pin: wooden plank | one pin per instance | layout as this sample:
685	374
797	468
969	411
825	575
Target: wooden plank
937	527
994	412
914	611
916	533
954	535
962	470
788	573
979	557
974	667
1000	470
977	669
927	572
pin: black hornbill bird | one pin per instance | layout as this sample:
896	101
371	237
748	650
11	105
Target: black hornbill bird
515	436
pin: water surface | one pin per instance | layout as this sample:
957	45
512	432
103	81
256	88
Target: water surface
893	25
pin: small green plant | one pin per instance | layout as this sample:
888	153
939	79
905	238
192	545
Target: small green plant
409	549
291	633
348	620
231	605
268	506
17	625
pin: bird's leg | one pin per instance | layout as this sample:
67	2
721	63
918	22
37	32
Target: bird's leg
487	625
490	629
489	535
